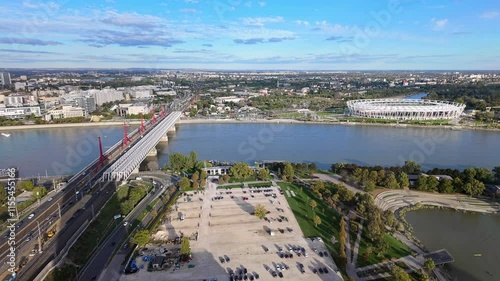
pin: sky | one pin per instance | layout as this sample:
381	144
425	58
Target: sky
251	35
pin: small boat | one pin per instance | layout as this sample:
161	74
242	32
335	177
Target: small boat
478	255
489	273
5	135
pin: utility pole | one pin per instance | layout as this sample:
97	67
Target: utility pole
39	238
59	209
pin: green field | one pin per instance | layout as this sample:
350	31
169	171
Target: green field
240	185
330	219
263	184
396	250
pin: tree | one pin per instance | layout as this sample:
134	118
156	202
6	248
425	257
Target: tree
404	182
391	182
185	247
203	175
496	171
317	220
368	185
398	274
26	185
421	183
260	211
194	178
446	186
184	183
126	207
411	167
203	183
240	170
263	174
474	187
432	183
288	171
38	192
141	237
345	195
313	204
193	159
429	264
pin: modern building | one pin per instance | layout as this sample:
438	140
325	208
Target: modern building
65	111
19	112
104	96
5	79
133	109
405	109
20	86
88	103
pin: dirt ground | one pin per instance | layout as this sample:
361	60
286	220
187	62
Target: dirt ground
227	230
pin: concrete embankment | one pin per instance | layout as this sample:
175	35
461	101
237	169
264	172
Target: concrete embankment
395	199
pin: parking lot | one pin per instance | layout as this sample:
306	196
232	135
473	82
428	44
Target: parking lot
233	240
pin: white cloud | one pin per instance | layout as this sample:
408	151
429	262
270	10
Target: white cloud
189	11
302	22
262	4
261	21
439	24
29	5
489	15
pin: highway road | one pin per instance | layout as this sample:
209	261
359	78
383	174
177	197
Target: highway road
105	252
48	212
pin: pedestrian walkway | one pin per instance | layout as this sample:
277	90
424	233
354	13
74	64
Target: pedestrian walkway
287	193
293	193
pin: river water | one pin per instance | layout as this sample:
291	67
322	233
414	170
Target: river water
65	151
463	235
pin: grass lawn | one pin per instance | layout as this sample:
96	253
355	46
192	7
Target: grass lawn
231	180
240	185
396	250
264	184
304	214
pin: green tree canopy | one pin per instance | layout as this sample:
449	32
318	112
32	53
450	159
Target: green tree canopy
241	170
185	247
25	185
412	168
473	187
141	237
317	220
184	183
260	211
391	181
263	174
288	171
38	192
398	274
403	180
429	264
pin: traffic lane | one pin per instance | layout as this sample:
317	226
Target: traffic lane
55	247
101	258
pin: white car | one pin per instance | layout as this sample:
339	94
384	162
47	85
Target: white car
31	216
50	199
125	223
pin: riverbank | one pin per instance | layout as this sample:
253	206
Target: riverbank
254	121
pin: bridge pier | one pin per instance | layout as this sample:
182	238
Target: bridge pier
164	139
172	129
153	152
135	171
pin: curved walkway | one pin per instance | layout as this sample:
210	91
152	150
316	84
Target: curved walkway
396	199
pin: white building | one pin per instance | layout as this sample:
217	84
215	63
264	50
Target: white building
19	112
234	99
133	109
65	111
105	95
20	86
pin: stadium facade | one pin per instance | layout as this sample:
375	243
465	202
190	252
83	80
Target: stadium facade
405	109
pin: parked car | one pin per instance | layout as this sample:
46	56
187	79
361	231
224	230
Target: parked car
31	216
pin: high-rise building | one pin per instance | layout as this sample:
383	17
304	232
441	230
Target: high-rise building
5	79
86	102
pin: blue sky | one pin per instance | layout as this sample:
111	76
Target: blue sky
252	35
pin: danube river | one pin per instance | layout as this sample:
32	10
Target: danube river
65	151
464	236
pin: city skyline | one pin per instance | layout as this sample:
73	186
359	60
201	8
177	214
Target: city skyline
251	35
